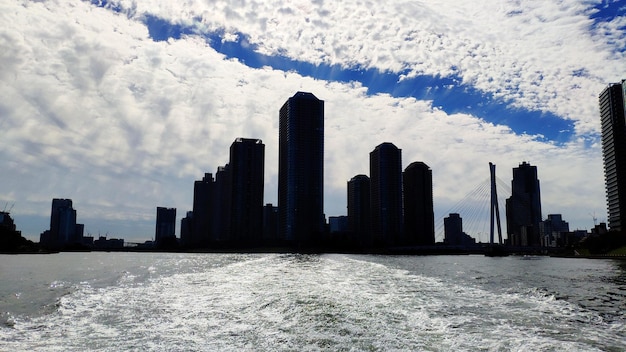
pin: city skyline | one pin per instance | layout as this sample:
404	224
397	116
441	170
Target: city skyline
122	109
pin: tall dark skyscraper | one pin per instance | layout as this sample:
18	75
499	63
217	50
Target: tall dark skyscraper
523	208
203	191
612	109
165	229
247	161
386	194
301	169
359	209
63	227
220	217
419	216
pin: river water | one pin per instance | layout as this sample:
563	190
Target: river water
292	302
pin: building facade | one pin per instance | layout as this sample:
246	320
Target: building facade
523	208
453	229
301	169
63	227
612	108
200	221
165	229
386	195
553	231
359	210
419	215
247	163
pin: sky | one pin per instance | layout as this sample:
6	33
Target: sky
120	105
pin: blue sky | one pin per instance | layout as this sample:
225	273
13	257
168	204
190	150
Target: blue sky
121	105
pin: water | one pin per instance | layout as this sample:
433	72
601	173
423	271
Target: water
283	302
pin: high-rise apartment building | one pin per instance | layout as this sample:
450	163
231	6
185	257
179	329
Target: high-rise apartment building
165	229
247	162
220	216
523	208
63	227
386	195
612	109
419	215
359	209
199	234
301	169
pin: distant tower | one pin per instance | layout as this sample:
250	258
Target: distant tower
359	209
386	194
552	230
453	228
523	208
220	217
614	152
454	235
165	224
62	224
301	169
203	192
247	158
186	229
419	216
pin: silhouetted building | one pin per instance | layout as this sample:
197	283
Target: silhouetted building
301	169
220	219
419	216
11	240
165	225
247	162
63	228
553	231
270	223
386	194
454	235
338	224
612	109
186	230
359	209
523	208
112	243
203	202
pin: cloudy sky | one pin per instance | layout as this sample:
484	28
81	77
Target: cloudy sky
121	105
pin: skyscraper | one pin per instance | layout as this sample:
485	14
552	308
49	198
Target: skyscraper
220	216
614	152
386	194
62	221
301	169
203	192
63	228
359	209
247	160
419	216
523	208
165	229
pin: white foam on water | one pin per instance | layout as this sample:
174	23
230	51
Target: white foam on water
308	303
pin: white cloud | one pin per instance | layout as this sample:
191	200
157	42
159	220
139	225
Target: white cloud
95	111
528	53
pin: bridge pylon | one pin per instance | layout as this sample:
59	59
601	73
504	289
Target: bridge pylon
495	210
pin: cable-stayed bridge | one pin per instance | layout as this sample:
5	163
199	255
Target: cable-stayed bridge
478	211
